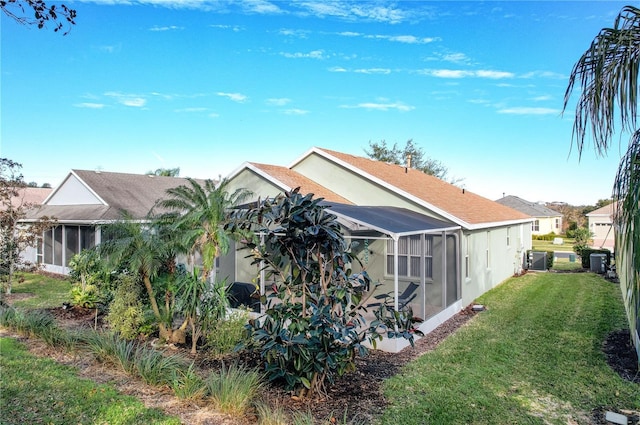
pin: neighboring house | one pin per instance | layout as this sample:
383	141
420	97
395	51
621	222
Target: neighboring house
601	227
411	228
545	221
83	202
29	198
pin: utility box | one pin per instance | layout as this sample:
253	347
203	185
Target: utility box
538	261
598	263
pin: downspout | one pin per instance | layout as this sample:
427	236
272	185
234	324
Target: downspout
444	269
395	273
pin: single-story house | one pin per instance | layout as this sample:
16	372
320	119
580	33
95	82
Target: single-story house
545	221
414	230
602	228
83	202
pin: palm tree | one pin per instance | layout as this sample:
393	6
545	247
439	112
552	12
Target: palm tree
607	74
143	251
201	213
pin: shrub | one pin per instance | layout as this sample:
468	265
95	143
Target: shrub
226	334
586	257
233	389
187	384
86	296
126	311
156	367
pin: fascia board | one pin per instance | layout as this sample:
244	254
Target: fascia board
498	224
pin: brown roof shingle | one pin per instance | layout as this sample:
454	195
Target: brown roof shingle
467	206
293	179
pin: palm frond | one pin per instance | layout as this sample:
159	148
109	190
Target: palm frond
607	75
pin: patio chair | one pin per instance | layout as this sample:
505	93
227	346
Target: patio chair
404	299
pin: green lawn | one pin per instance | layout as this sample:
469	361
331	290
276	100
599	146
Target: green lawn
40	391
549	246
46	291
534	357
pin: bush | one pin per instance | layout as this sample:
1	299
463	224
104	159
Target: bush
86	296
586	257
233	389
126	312
226	334
548	237
188	385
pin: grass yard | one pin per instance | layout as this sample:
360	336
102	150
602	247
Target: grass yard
534	357
39	390
43	291
549	246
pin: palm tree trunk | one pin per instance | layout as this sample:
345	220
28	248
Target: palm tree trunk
165	333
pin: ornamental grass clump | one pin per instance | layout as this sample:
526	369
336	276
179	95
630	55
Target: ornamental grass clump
233	389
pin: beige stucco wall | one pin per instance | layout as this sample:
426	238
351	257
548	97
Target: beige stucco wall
548	225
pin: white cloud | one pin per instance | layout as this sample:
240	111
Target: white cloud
89	105
315	54
337	69
214	115
234	28
381	106
458	73
132	100
494	75
542	98
349	34
294	33
261	6
373	71
236	97
456	58
529	111
165	28
278	101
295	112
544	74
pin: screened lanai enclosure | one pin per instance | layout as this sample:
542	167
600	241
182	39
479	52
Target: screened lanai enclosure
412	260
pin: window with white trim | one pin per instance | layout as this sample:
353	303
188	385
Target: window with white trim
413	252
535	226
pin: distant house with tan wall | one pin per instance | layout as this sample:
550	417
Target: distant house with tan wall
601	227
545	221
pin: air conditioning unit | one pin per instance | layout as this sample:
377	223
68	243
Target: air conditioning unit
538	261
598	263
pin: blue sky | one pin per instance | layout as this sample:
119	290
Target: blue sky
207	85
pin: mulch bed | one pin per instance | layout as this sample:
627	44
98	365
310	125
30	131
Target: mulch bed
359	394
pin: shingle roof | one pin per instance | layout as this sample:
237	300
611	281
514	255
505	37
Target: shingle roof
30	196
134	193
530	208
467	206
607	210
293	179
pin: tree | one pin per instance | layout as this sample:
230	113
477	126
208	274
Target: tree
15	237
200	213
166	172
143	250
410	155
313	327
607	76
20	10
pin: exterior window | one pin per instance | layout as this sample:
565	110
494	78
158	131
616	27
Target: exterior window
508	236
87	237
466	257
535	226
57	245
413	252
48	246
39	249
557	223
488	250
71	243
